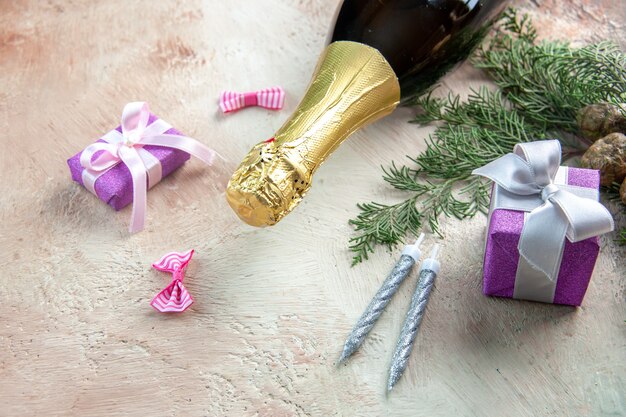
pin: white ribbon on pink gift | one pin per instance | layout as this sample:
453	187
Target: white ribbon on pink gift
127	147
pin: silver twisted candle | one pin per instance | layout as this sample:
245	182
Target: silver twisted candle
428	273
410	255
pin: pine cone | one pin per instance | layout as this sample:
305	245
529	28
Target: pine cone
598	120
609	156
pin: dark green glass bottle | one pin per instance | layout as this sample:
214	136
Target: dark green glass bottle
421	39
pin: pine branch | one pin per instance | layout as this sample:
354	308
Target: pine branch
550	81
383	224
540	89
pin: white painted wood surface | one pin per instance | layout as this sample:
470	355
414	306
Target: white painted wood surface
273	306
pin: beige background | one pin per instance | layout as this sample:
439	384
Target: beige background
77	334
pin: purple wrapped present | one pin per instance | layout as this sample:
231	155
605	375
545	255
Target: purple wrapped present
544	220
115	187
120	166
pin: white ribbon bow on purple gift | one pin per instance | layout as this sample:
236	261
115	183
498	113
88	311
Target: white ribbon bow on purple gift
527	174
127	147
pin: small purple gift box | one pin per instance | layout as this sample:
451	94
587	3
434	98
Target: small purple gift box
544	222
502	255
123	163
115	187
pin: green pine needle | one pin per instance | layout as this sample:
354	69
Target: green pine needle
550	81
541	86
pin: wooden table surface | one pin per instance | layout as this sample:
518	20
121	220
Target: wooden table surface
273	306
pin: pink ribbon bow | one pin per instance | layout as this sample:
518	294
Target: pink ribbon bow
174	298
270	98
126	147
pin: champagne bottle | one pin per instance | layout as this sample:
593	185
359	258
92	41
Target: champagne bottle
381	53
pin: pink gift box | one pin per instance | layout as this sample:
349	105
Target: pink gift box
502	256
115	187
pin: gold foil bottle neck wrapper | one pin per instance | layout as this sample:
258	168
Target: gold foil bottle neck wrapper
352	85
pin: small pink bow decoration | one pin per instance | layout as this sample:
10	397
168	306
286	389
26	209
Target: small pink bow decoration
174	298
124	147
270	98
